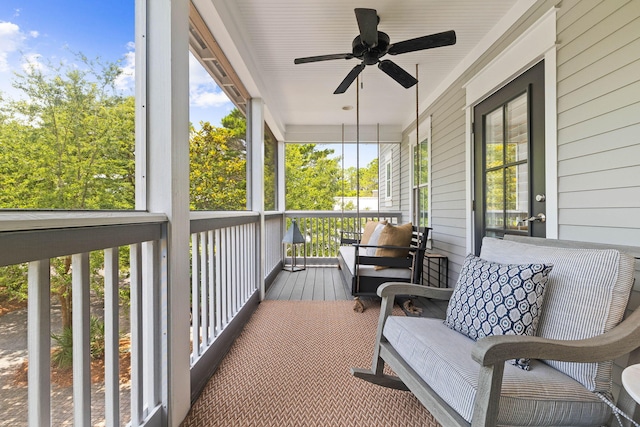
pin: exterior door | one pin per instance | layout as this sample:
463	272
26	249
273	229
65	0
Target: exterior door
509	168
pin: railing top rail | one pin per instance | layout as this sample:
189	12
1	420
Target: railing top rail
209	220
339	214
273	214
24	220
31	245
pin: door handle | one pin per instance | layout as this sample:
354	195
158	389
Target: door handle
538	218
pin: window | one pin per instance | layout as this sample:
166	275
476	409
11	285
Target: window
421	183
388	183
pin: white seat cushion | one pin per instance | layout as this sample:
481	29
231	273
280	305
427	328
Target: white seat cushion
543	396
585	296
348	254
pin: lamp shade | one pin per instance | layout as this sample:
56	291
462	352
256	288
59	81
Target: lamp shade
293	234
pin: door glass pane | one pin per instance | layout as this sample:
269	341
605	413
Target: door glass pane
517	130
495	199
517	191
494	138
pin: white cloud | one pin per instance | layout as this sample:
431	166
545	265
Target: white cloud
34	34
11	39
203	91
127	78
31	62
206	99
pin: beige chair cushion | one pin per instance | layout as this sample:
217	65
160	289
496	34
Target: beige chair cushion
395	236
369	228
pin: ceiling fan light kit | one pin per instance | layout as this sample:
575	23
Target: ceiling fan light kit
371	45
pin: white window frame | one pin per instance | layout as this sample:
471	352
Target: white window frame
388	178
424	135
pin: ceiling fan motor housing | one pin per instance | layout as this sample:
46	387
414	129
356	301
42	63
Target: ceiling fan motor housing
370	55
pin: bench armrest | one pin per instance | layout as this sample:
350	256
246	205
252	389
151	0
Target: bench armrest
391	289
358	245
620	340
350	237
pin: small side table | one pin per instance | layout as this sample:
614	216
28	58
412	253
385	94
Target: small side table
631	381
437	271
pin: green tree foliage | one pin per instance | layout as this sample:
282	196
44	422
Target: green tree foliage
218	158
312	177
67	143
368	180
270	165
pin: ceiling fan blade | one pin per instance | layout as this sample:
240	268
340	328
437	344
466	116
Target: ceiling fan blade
323	58
425	42
368	25
349	79
396	73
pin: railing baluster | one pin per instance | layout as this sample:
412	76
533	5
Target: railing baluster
81	340
151	326
202	284
219	297
245	264
237	279
111	337
137	384
241	267
195	296
210	287
227	274
39	343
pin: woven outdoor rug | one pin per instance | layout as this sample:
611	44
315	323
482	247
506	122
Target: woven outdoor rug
290	367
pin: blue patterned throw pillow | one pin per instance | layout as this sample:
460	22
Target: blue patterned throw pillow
497	299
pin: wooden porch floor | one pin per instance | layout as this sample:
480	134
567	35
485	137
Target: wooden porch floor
314	283
325	284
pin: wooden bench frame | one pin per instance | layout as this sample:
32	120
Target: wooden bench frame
492	352
367	285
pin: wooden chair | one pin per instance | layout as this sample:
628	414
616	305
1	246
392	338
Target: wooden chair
493	392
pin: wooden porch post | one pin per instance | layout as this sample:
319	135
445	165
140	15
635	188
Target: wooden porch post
162	185
255	171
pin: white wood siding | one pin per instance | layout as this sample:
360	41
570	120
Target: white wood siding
448	194
599	128
599	121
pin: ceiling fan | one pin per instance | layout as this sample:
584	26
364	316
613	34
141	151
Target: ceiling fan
371	45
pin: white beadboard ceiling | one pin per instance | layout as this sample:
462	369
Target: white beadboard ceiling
262	38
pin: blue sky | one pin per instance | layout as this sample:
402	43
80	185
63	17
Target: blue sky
36	32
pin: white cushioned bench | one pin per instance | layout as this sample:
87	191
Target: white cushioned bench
363	269
348	256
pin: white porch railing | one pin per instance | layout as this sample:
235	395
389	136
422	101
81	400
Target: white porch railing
44	236
323	230
274	231
223	273
225	283
225	257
